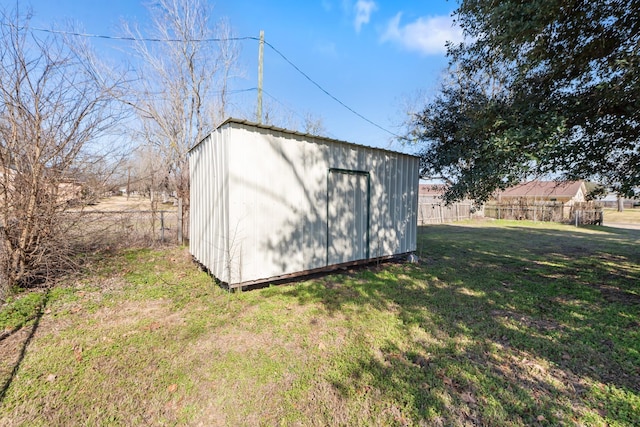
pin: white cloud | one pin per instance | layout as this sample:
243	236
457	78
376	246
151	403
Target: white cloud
364	9
426	35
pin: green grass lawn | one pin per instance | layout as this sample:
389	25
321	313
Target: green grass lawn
501	323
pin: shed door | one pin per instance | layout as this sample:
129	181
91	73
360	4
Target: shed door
347	216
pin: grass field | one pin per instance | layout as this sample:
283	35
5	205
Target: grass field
501	323
627	216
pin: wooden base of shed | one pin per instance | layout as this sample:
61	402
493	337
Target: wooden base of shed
287	278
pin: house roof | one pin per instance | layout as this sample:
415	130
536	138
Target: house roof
543	189
231	120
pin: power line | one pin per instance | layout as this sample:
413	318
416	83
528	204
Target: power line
327	92
142	39
294	111
214	40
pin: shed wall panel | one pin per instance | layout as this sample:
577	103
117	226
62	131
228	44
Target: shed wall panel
259	205
348	216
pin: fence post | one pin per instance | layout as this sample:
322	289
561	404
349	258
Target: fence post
180	239
162	226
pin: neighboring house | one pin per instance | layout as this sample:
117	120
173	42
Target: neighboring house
567	193
69	191
269	203
66	191
539	201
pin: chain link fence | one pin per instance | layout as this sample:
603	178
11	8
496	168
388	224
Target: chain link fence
131	228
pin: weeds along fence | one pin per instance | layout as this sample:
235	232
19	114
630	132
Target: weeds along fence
430	212
539	211
72	233
576	213
593	215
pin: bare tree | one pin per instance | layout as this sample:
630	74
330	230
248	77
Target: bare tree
281	115
52	109
313	124
184	59
147	171
228	54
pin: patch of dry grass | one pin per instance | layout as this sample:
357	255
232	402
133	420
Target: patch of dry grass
627	216
131	203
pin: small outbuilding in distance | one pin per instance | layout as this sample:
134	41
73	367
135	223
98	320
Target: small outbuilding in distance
268	204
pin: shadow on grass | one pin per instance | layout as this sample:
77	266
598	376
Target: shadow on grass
24	346
503	324
630	232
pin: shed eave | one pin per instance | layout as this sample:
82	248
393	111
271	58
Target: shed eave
232	120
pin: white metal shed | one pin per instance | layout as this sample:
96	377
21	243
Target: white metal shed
268	203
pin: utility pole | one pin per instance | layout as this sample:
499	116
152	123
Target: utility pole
128	180
260	61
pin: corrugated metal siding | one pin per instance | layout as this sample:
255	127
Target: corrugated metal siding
262	202
348	209
209	219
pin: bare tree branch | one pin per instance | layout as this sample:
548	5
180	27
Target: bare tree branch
53	109
174	92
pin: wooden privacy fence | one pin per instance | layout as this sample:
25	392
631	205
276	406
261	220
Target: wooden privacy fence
437	213
577	213
554	212
587	216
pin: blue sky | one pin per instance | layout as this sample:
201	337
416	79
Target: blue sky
370	54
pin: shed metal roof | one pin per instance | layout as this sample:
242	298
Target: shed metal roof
232	120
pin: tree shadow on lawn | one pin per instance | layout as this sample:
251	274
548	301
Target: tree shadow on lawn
21	348
502	325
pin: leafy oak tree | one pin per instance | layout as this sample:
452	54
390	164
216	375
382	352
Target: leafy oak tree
538	87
